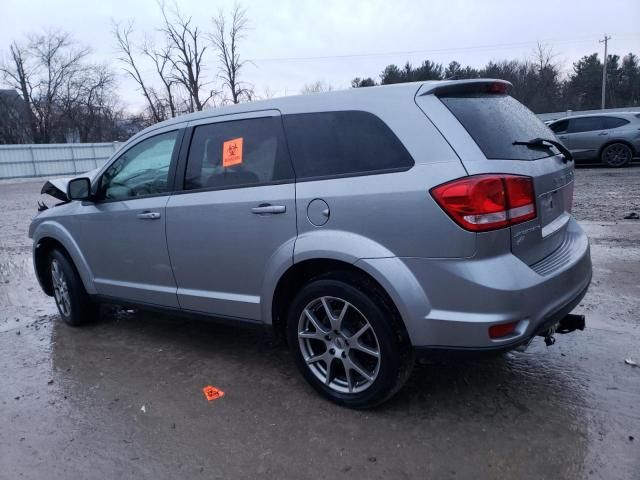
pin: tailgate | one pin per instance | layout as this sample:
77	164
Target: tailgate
482	122
532	241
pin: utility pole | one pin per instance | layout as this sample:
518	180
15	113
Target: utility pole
604	71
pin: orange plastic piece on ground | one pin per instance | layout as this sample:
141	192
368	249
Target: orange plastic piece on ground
212	393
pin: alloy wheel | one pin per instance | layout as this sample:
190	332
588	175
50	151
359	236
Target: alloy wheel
60	288
339	345
616	155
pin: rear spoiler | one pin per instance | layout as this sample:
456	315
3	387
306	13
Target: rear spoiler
457	87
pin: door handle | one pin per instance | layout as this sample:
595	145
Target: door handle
562	137
268	209
149	215
603	133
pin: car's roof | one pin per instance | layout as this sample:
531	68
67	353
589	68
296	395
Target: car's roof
316	101
603	114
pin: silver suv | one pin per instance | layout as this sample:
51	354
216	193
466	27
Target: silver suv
613	139
363	226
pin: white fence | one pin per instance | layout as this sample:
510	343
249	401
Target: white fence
23	161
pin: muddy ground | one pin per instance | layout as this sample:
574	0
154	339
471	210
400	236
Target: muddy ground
71	400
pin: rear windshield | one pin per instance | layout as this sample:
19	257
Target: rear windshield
496	121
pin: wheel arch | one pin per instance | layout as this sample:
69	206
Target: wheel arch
299	274
49	236
611	142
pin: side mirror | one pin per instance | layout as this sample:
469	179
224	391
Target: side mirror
79	189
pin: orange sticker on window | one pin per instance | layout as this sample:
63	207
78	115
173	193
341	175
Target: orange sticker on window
212	393
232	152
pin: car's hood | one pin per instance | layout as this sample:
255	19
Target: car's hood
57	187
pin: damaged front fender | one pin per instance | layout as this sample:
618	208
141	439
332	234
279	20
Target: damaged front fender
57	187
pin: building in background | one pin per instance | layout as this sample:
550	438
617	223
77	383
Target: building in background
14	118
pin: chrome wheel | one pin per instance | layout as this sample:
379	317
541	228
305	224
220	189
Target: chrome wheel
60	288
616	155
338	345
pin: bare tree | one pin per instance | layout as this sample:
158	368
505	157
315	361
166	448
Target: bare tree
226	38
54	53
185	53
316	87
86	106
162	62
544	57
51	73
127	52
19	74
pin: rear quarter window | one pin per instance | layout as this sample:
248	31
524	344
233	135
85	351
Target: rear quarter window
343	143
614	122
496	121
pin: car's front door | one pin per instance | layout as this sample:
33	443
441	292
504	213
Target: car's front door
235	216
122	233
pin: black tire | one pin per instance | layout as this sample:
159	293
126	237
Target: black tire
616	155
76	308
395	356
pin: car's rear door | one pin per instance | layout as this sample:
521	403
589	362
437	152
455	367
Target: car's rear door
235	213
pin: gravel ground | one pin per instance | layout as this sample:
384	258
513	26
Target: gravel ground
71	400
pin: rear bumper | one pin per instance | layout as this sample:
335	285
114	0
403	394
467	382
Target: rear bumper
549	322
467	296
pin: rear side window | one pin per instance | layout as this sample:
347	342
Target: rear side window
237	153
496	121
343	143
586	124
614	122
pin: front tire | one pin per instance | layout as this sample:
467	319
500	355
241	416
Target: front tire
73	302
346	341
616	155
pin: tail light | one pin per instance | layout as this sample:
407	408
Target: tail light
487	202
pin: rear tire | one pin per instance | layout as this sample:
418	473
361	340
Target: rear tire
73	302
347	342
616	155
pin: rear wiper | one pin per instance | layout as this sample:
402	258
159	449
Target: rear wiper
545	142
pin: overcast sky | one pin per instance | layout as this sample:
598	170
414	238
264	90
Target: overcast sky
293	43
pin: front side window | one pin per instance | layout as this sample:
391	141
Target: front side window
586	124
140	171
560	127
237	153
343	143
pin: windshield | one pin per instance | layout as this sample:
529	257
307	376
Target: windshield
496	121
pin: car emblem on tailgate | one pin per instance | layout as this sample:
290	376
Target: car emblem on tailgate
564	179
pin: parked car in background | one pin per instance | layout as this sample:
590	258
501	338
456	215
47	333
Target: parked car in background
613	139
360	225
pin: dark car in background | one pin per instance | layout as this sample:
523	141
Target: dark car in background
613	139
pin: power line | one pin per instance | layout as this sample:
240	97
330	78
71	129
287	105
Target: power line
431	50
